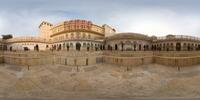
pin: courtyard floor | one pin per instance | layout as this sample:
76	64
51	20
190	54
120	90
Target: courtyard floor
99	82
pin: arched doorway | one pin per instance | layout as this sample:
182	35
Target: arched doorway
88	46
178	46
10	48
144	47
134	47
192	48
140	47
86	61
147	47
65	61
122	46
101	47
188	47
54	47
92	46
67	47
198	47
37	48
59	47
78	46
109	47
63	46
116	47
26	49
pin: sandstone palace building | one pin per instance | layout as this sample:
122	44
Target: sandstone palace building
83	43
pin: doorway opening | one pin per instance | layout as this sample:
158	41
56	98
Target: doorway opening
78	46
36	48
178	46
86	61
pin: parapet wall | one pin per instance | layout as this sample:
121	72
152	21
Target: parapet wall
135	58
175	58
123	58
128	58
1	57
27	58
63	58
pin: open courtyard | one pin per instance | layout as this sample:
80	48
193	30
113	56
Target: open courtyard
99	82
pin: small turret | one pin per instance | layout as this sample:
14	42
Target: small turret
109	31
45	31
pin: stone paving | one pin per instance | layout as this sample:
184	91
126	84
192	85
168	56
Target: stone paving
99	82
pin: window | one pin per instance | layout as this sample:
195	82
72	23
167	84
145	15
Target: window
77	35
66	36
72	35
84	35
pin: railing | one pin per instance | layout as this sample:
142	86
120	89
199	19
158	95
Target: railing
179	37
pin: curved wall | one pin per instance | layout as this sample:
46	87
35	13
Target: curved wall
45	58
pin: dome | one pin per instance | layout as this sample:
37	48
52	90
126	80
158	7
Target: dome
136	36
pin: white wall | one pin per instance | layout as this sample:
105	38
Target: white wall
30	45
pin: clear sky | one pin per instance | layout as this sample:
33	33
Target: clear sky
151	17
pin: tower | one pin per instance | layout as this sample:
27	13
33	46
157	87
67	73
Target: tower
109	31
45	30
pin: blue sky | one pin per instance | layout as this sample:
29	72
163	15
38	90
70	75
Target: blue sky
151	17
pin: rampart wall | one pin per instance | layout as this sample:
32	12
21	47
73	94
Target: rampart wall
128	58
135	58
123	58
1	57
63	58
177	58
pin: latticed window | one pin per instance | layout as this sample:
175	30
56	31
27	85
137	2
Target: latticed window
72	35
84	35
89	36
66	36
78	35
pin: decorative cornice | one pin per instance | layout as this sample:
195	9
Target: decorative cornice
77	30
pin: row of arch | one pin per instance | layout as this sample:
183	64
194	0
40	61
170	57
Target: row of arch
78	46
77	35
118	46
121	47
128	46
178	46
35	48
